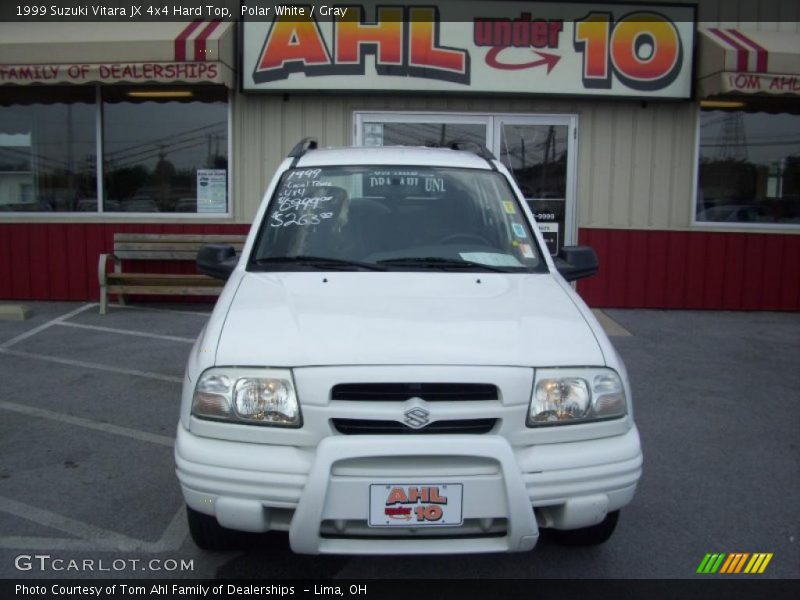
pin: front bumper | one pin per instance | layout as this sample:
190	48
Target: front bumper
321	495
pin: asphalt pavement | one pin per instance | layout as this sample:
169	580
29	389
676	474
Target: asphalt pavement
89	405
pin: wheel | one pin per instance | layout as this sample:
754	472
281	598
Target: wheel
587	536
208	534
468	237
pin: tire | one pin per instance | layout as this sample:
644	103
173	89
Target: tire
587	536
208	534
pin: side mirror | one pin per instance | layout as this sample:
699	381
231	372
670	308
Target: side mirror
217	260
576	262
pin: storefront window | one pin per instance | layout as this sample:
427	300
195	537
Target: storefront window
165	150
48	149
749	169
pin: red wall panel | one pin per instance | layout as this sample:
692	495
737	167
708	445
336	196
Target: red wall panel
771	272
693	270
58	261
790	290
21	265
638	269
714	275
58	250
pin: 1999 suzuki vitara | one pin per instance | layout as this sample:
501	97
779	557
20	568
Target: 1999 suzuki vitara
397	365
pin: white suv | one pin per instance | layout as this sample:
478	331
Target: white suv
397	366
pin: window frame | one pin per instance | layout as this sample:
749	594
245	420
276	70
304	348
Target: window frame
724	225
100	215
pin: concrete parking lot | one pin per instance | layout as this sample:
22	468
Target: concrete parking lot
89	405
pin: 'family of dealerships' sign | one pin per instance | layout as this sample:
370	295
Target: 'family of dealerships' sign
509	47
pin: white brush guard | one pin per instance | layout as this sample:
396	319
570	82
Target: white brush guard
334	497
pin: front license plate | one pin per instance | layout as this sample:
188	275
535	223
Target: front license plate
415	505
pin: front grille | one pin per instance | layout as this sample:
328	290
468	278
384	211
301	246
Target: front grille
399	392
369	427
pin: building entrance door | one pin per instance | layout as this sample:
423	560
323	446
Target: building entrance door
539	150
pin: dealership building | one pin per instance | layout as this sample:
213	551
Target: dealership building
666	136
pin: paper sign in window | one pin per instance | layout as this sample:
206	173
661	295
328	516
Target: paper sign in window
212	191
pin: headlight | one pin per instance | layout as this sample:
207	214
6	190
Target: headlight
563	396
258	396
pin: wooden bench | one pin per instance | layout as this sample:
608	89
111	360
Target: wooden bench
161	247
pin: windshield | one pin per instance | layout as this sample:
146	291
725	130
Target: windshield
395	218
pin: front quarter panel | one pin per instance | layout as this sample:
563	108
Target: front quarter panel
204	352
610	354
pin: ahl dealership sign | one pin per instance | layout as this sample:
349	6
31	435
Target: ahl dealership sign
488	47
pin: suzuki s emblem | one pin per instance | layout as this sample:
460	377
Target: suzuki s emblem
416	417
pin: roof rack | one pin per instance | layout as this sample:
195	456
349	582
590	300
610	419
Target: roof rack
475	147
300	148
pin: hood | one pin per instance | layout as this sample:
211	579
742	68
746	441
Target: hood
293	319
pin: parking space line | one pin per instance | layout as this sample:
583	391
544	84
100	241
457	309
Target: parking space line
43	413
19	542
611	327
67	525
90	537
174	534
38	329
167	310
90	365
157	336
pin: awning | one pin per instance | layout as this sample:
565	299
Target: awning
747	62
108	53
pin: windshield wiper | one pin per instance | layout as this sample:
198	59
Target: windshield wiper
318	262
436	262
